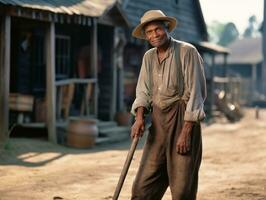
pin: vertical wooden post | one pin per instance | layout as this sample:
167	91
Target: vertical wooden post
225	65
263	77
114	87
114	77
254	81
5	34
121	89
94	61
211	95
50	82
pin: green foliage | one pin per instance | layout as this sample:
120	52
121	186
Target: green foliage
215	29
222	33
229	34
252	29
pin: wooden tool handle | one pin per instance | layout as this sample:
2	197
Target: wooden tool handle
126	167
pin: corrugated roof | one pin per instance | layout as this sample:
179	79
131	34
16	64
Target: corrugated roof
92	8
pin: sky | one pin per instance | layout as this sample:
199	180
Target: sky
236	11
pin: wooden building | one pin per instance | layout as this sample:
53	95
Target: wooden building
245	62
55	51
52	51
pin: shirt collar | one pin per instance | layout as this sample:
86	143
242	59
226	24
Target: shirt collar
169	50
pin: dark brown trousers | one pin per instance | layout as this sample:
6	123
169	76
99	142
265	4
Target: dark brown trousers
161	166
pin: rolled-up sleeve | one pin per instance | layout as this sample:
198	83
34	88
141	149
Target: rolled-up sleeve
143	89
196	84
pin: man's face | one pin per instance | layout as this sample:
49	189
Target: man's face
156	34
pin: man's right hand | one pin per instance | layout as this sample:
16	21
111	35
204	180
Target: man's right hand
138	128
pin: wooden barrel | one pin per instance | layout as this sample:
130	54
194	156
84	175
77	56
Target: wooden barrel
82	133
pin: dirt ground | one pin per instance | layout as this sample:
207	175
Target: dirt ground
233	166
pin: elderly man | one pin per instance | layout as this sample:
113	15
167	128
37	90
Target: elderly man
172	87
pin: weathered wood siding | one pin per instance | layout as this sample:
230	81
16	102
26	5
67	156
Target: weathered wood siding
187	12
5	30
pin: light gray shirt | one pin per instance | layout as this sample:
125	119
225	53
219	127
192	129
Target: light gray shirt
179	76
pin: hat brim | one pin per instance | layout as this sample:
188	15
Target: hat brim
138	30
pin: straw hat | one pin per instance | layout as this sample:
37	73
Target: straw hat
153	15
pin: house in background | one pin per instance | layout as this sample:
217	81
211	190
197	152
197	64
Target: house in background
51	53
245	62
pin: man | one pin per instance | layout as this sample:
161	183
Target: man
172	87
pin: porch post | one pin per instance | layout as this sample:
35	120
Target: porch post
94	61
4	77
50	82
114	76
263	76
212	85
225	65
254	82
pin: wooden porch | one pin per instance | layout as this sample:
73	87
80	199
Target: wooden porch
59	93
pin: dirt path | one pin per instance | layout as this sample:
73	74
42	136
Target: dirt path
233	167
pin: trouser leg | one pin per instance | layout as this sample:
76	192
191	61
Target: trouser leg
151	180
161	165
183	169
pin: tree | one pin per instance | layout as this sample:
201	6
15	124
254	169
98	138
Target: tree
222	33
215	29
252	30
229	34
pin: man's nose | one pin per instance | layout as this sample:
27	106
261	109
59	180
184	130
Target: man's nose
155	34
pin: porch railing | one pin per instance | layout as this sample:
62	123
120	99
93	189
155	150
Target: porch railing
82	91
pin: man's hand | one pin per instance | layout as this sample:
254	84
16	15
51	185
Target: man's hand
183	143
138	128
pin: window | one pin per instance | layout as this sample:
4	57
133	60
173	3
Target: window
62	58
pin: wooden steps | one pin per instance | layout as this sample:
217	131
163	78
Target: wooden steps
110	132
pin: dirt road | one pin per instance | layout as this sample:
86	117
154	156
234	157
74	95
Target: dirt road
233	167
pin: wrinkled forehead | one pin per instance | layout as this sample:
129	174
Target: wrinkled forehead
154	24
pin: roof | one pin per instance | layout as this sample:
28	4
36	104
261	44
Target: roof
93	8
89	8
211	48
245	51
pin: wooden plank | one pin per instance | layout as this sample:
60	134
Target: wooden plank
76	81
254	81
4	77
114	86
94	61
33	125
50	82
211	95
